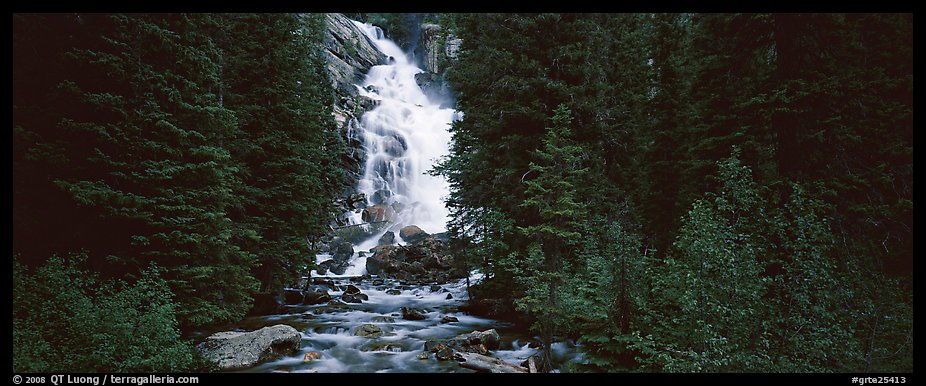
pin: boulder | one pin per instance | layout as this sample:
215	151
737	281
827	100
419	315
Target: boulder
412	233
382	319
359	279
394	147
369	331
393	292
316	297
449	319
336	267
351	298
380	196
356	201
461	343
382	260
351	289
311	356
340	267
432	345
387	239
323	267
449	296
488	338
444	353
425	261
412	314
372	87
323	281
384	346
378	213
333	305
239	350
343	251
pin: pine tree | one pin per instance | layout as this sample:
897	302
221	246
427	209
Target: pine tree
274	80
140	158
603	298
551	197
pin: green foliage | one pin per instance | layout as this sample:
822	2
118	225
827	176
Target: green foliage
713	282
66	318
204	144
814	329
657	100
277	85
551	199
149	180
603	299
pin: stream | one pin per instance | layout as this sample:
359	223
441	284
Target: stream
330	330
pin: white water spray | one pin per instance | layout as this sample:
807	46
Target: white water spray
403	136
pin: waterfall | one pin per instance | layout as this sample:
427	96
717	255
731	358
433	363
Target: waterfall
403	136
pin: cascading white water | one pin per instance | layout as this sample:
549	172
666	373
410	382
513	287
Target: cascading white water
403	136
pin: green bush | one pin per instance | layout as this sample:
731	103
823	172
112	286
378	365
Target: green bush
66	318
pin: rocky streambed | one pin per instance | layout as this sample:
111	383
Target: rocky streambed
373	324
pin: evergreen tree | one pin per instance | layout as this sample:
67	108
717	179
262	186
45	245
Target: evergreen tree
274	80
602	300
551	197
139	158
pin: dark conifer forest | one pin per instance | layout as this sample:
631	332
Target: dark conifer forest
669	192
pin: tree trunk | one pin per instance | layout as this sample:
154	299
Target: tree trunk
547	319
484	363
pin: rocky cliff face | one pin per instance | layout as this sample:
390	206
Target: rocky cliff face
349	52
437	50
350	55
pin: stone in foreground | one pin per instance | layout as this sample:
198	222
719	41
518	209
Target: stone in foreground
238	350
